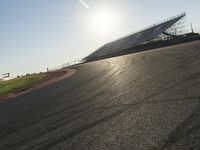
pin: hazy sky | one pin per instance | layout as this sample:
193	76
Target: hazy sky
36	34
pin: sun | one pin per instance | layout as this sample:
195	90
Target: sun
104	21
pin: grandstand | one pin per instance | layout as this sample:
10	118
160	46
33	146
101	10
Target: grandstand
162	30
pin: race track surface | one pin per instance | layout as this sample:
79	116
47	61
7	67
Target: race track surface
148	100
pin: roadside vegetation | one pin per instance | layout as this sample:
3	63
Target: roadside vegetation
20	83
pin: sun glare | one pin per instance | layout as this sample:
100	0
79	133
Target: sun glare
104	21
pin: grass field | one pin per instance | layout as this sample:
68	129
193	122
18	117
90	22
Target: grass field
18	84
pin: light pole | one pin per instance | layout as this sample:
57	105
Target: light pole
191	28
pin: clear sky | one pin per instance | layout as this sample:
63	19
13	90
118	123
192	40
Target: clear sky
36	34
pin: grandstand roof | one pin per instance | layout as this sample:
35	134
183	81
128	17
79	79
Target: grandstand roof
139	37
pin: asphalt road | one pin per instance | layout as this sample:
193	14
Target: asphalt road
148	100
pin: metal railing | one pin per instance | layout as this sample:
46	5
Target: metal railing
67	64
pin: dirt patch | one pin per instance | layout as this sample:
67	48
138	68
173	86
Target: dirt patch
51	77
